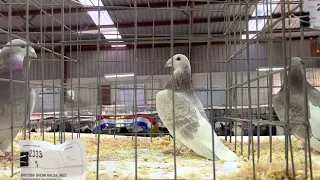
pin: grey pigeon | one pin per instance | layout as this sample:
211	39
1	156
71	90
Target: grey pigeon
193	129
296	105
18	53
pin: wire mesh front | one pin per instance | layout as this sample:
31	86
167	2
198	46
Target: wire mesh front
101	63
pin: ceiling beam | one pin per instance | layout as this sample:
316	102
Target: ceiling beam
168	4
114	7
132	25
130	46
150	23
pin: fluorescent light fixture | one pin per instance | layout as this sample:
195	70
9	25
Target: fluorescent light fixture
118	75
261	10
118	45
268	69
105	19
102	30
110	33
114	34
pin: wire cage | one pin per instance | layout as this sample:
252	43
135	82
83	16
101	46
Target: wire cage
101	63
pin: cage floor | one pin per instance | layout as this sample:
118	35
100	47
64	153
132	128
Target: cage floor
117	158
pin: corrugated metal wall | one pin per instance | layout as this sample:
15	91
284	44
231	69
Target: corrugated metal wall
199	80
121	61
151	61
51	67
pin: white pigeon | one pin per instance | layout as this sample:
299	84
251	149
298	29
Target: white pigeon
70	95
192	127
18	53
296	105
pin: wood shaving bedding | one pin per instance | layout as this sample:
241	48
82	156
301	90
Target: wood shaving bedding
277	169
111	148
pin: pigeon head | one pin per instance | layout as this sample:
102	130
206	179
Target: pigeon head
181	77
178	61
20	50
296	61
296	64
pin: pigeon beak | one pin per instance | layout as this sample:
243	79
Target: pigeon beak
169	63
32	52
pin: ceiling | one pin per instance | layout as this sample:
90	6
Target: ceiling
51	21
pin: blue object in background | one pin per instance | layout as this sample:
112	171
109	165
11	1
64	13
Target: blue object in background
104	125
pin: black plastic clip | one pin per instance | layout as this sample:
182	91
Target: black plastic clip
24	159
304	19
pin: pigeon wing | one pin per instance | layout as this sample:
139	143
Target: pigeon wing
186	120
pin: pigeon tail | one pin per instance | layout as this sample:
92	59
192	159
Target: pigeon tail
221	151
315	144
202	144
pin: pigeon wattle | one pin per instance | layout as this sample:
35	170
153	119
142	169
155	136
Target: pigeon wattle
192	126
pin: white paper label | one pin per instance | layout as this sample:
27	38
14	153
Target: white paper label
313	7
67	161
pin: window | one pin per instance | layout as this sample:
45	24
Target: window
51	99
260	10
203	93
127	94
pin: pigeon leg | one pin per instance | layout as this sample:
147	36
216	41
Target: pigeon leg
5	147
190	151
177	153
8	156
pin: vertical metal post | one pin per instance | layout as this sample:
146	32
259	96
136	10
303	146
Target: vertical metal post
11	78
99	99
249	89
61	113
242	98
235	97
307	148
258	84
26	73
286	92
135	61
70	75
153	66
78	72
209	59
53	81
173	93
288	125
270	78
42	76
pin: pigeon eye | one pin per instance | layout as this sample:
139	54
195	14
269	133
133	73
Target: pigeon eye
178	59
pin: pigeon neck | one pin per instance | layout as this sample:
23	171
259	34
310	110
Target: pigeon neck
180	81
296	78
